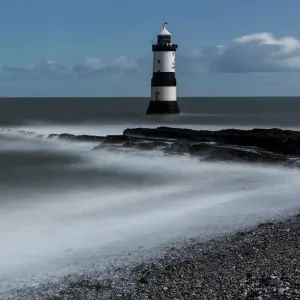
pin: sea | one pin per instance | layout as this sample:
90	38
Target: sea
66	209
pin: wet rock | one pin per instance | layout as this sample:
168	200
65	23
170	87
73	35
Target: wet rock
144	145
117	139
73	137
177	148
243	155
189	148
167	133
200	149
104	147
67	136
276	140
90	138
87	138
231	145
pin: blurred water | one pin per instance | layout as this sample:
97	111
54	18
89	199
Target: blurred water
64	207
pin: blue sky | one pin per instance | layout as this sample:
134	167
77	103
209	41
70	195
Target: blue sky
103	48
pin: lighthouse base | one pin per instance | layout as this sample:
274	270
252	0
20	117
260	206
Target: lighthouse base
162	107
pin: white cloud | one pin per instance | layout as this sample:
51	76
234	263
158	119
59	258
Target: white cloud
286	44
124	62
44	68
91	66
258	52
88	67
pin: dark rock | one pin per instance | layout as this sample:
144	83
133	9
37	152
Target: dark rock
291	148
73	137
235	145
167	133
67	136
187	147
200	149
144	145
104	146
90	138
242	155
276	140
117	139
144	280
177	147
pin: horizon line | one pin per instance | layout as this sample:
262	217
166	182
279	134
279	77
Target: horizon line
136	97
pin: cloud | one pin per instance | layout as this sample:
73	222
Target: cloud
253	53
93	66
45	68
257	52
89	64
88	67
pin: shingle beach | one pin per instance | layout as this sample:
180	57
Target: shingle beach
262	262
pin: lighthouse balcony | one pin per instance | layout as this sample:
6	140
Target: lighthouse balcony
164	47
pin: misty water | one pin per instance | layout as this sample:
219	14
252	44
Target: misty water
65	208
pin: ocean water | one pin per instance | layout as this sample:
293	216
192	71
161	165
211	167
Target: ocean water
66	209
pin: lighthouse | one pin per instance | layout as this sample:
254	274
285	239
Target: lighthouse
163	82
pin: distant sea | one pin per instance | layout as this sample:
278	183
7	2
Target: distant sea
65	209
252	111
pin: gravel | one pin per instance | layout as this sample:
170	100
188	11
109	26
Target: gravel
260	263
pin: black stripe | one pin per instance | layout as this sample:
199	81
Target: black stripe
163	107
162	47
163	79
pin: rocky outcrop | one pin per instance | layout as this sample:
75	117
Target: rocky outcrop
277	140
234	145
73	137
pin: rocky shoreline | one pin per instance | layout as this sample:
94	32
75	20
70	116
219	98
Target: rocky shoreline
267	146
259	263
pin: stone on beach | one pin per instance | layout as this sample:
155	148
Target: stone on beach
258	263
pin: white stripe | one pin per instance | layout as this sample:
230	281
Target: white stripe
164	93
164	61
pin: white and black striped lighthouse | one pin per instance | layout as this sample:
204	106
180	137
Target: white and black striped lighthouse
163	82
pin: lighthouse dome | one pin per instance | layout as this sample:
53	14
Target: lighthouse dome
164	30
164	37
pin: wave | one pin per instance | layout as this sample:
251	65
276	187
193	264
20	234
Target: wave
65	208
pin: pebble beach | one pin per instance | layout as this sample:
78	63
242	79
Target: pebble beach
261	262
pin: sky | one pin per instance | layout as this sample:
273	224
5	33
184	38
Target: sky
93	48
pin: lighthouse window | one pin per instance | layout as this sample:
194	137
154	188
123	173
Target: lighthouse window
164	39
158	61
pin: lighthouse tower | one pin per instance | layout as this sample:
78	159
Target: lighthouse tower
163	82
